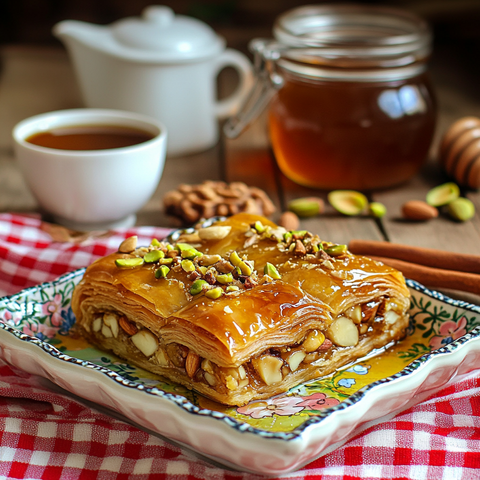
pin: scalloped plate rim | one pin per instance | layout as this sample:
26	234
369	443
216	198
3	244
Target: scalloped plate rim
298	434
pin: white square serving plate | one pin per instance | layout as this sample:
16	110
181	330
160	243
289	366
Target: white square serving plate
273	436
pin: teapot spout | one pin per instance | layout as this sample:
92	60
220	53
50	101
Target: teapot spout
73	31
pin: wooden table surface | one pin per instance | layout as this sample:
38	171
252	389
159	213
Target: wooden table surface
35	80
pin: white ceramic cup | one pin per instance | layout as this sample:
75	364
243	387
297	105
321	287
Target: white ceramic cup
91	189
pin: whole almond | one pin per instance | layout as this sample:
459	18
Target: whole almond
128	327
289	221
418	210
128	245
192	363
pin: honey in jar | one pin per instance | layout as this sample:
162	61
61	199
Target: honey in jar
349	97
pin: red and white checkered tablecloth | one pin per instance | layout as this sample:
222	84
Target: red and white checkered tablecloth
49	435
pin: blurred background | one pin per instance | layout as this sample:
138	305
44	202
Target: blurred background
456	25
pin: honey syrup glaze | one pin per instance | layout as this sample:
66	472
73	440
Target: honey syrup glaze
308	296
357	135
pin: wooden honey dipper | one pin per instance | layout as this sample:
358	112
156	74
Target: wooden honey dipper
460	151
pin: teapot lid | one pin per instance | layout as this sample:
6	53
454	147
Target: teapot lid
168	36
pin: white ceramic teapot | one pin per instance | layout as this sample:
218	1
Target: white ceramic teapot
162	65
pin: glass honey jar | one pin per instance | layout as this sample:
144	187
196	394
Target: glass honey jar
350	103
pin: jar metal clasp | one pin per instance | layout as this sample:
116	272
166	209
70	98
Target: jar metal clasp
267	82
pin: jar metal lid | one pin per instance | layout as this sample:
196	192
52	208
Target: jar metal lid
354	32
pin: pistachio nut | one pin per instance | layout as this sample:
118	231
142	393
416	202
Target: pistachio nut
188	266
443	194
184	246
232	288
165	261
377	209
129	262
287	237
246	267
461	209
306	207
348	202
162	271
197	286
299	233
153	256
191	253
271	271
336	250
224	278
259	227
235	259
155	242
214	293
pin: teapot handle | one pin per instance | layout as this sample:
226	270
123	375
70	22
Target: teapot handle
233	58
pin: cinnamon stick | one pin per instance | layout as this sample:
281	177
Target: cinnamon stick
429	257
435	277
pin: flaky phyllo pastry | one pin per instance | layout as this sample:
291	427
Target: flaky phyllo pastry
240	310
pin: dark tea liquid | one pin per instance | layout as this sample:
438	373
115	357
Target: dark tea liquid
353	135
94	137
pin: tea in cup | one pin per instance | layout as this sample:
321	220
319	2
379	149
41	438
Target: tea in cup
91	169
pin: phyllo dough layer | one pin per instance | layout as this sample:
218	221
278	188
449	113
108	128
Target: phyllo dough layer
241	310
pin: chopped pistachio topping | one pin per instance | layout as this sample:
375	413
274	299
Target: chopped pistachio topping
246	267
188	266
155	242
235	260
224	278
153	256
129	262
214	293
271	271
259	227
190	253
336	250
162	271
232	288
184	246
165	261
197	286
202	270
287	237
169	247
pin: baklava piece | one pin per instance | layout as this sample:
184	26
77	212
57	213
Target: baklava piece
241	310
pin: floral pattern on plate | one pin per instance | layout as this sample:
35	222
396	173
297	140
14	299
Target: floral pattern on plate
44	314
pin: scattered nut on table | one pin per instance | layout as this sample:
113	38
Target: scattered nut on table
289	221
190	203
418	210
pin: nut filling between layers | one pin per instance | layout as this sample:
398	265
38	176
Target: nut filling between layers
270	367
